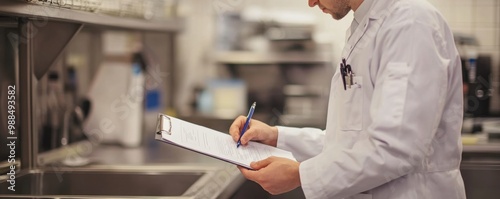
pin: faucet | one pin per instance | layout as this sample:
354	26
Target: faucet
74	116
79	114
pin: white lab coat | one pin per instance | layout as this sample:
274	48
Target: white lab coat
396	132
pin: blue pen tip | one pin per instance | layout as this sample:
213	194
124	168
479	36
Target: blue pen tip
238	145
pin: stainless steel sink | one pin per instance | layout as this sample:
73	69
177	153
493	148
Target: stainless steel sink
104	182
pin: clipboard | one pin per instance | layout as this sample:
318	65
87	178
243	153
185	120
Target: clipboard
212	143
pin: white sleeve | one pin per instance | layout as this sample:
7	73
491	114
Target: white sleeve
304	143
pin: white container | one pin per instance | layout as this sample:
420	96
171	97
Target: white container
131	136
117	97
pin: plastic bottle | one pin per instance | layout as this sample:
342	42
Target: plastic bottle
132	132
472	70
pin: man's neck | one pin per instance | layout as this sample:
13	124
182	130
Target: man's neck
355	4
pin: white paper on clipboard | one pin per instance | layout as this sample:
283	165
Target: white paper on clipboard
213	143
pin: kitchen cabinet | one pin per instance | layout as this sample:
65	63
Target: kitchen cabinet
480	170
481	179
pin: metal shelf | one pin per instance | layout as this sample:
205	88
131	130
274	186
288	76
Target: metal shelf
252	58
490	147
23	9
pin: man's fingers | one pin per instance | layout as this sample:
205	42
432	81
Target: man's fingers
249	135
249	174
236	127
261	164
234	132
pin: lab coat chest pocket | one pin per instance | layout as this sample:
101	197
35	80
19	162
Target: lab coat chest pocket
351	116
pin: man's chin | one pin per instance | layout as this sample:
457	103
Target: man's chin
337	16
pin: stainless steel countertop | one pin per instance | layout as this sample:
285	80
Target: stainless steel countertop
489	147
489	125
156	153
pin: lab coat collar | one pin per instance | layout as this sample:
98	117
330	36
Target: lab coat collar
378	10
379	7
362	10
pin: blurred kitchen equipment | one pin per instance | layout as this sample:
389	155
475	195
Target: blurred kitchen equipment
73	131
60	111
479	93
79	114
52	126
228	35
290	37
223	98
492	128
476	69
117	95
282	66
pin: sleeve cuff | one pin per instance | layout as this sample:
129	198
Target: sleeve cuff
282	134
311	182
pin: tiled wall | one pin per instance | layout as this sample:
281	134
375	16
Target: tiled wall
480	18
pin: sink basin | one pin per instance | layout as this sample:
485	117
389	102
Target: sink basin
113	183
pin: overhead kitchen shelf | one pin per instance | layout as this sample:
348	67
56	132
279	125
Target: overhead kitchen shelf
23	9
253	58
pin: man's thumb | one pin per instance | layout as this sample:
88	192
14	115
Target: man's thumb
261	164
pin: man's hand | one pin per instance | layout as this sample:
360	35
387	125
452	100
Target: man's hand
276	175
257	131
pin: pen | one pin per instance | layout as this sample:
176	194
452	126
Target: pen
249	117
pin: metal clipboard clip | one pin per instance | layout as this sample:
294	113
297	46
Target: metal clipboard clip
163	124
